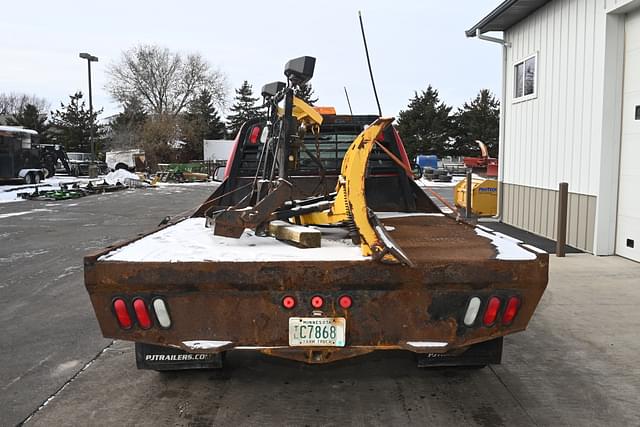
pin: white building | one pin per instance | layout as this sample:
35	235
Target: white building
571	113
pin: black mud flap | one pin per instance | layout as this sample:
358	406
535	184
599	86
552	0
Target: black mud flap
161	358
477	355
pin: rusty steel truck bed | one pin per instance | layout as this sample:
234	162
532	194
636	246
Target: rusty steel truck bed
186	296
222	298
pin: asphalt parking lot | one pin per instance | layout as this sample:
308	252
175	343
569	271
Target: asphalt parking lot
577	364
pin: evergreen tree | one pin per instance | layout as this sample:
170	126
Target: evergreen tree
201	122
305	92
71	125
30	117
243	108
478	119
126	127
205	117
425	126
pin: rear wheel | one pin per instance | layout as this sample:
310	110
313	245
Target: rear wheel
32	178
121	166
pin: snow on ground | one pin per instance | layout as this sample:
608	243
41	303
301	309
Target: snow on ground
191	241
9	193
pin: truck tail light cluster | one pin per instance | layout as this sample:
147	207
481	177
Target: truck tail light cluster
492	311
317	302
142	312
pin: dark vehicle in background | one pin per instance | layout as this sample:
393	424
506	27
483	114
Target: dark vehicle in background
79	164
22	157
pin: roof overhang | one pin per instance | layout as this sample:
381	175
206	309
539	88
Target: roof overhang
506	15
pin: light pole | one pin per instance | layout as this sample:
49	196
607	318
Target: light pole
93	169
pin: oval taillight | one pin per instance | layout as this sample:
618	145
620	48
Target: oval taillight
142	313
491	312
122	314
510	311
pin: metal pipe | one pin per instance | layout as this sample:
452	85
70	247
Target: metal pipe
505	45
469	194
563	203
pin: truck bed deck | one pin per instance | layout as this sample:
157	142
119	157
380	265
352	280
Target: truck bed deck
425	237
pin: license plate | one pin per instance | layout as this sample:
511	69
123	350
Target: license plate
317	331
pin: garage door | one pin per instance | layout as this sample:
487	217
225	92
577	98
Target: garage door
628	233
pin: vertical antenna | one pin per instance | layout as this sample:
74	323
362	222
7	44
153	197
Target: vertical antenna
366	50
348	102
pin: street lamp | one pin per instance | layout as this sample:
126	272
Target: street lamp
92	168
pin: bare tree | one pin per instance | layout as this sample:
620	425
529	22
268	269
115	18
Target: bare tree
164	82
13	103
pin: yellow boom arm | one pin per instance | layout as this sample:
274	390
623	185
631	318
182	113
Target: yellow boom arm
350	203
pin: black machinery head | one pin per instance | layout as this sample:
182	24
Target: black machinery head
300	70
272	89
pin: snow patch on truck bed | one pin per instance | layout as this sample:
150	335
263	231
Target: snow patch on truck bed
191	241
506	246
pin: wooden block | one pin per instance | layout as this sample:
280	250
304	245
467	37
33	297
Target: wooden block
304	237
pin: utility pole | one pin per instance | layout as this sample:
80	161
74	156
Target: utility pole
93	169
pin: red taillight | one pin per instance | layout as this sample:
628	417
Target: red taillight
142	313
513	304
491	312
255	134
122	314
288	302
345	301
317	302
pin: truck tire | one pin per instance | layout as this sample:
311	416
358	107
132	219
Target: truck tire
121	166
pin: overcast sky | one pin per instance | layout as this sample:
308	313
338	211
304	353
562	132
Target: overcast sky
412	44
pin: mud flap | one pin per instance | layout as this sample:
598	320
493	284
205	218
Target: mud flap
161	358
478	355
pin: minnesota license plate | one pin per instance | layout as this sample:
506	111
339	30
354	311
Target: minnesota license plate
317	331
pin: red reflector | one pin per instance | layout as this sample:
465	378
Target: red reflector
122	314
513	304
345	301
255	133
491	312
140	307
317	302
288	302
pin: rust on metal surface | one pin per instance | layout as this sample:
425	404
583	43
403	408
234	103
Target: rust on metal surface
392	304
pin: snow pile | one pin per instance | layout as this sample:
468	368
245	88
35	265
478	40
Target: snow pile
119	176
191	241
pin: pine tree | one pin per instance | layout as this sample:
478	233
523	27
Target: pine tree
201	122
243	109
30	117
126	127
71	125
478	119
425	126
305	92
204	115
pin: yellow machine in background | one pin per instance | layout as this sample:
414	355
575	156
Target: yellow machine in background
484	196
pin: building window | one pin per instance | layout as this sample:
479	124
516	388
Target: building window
525	78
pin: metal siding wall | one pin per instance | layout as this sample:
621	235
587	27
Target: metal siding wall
541	219
556	136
